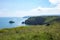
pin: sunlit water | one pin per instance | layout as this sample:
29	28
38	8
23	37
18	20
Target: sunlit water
4	22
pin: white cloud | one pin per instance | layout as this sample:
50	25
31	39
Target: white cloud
33	12
45	11
55	2
40	11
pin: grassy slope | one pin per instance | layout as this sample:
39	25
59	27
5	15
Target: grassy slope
38	32
33	32
41	19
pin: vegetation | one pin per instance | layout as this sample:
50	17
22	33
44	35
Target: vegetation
41	20
32	32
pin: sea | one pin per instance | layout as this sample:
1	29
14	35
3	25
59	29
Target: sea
4	22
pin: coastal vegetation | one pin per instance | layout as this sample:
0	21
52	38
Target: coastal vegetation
34	32
41	20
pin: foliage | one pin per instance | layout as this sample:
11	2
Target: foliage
41	20
35	20
33	32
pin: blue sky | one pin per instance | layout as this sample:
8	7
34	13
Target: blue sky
23	4
14	8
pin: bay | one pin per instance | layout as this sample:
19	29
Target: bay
4	22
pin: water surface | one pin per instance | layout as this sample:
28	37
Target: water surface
4	22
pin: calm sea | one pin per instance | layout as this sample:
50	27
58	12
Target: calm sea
4	22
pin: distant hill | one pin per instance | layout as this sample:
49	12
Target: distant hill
26	16
41	20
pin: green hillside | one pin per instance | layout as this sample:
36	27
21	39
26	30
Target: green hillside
41	20
33	32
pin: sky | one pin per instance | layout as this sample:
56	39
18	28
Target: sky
21	8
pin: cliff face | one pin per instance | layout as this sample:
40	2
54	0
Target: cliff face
41	20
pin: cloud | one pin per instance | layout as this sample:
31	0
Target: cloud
55	2
40	11
44	11
27	13
33	12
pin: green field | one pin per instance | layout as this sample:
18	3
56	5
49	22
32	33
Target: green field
33	32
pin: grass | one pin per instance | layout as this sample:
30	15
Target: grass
33	32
